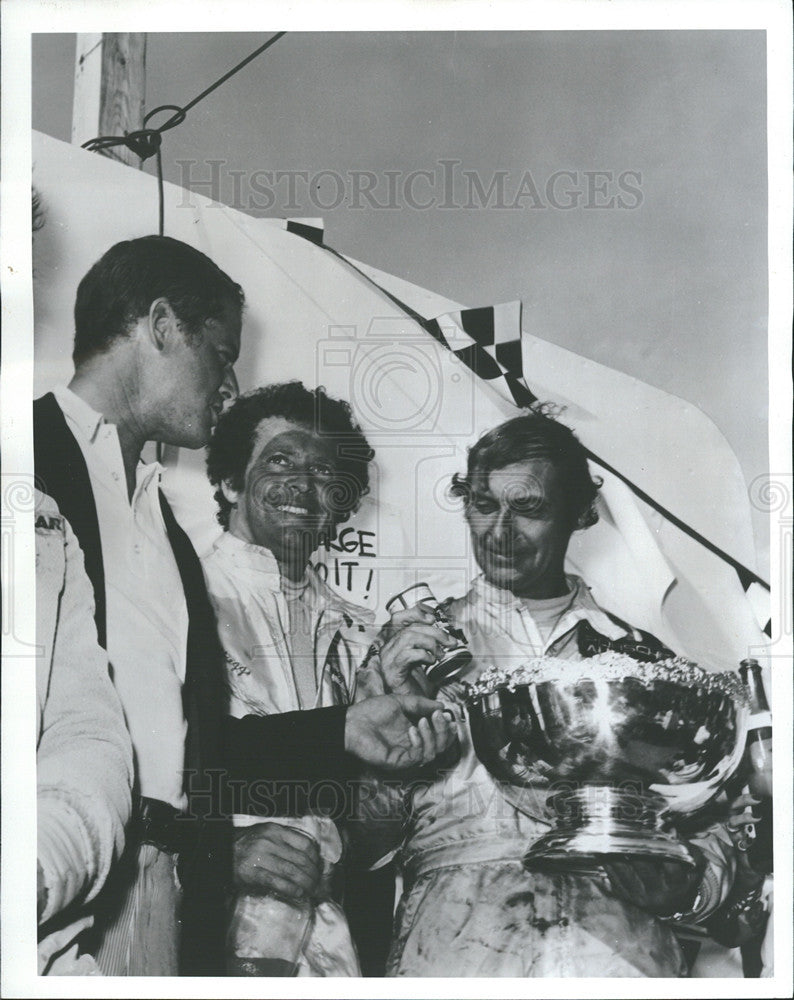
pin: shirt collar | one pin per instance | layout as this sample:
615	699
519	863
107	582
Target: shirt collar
497	597
252	558
292	589
583	605
148	473
258	558
88	421
78	411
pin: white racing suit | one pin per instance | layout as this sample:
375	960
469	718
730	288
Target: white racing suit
83	751
246	590
469	908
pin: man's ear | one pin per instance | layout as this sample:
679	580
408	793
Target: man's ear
231	494
163	323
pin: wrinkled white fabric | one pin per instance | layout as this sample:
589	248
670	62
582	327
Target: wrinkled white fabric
246	591
469	907
146	610
83	752
250	601
58	953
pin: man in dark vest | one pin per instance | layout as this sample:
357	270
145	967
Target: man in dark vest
157	332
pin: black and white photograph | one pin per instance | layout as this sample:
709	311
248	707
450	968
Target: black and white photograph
396	498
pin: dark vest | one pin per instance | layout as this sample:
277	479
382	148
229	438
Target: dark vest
61	473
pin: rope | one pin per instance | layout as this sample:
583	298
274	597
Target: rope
272	40
746	576
147	142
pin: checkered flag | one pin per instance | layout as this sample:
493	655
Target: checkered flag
488	341
491	347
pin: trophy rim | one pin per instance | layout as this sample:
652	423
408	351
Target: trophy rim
683	795
603	667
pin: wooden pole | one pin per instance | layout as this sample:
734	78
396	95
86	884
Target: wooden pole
109	89
87	88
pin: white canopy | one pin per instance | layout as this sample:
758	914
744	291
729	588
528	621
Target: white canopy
313	315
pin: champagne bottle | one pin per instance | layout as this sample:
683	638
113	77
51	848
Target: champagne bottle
266	935
758	765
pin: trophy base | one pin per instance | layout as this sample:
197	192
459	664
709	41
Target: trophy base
598	820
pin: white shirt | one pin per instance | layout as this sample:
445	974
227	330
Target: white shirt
147	618
501	626
546	613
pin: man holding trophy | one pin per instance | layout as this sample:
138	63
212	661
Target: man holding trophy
571	757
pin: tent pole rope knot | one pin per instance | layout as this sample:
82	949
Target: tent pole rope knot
147	142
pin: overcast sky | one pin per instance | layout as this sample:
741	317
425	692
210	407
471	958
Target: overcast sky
657	268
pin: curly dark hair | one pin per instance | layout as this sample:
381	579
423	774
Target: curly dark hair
230	450
537	433
127	278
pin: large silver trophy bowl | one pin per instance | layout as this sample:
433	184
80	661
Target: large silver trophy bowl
619	749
